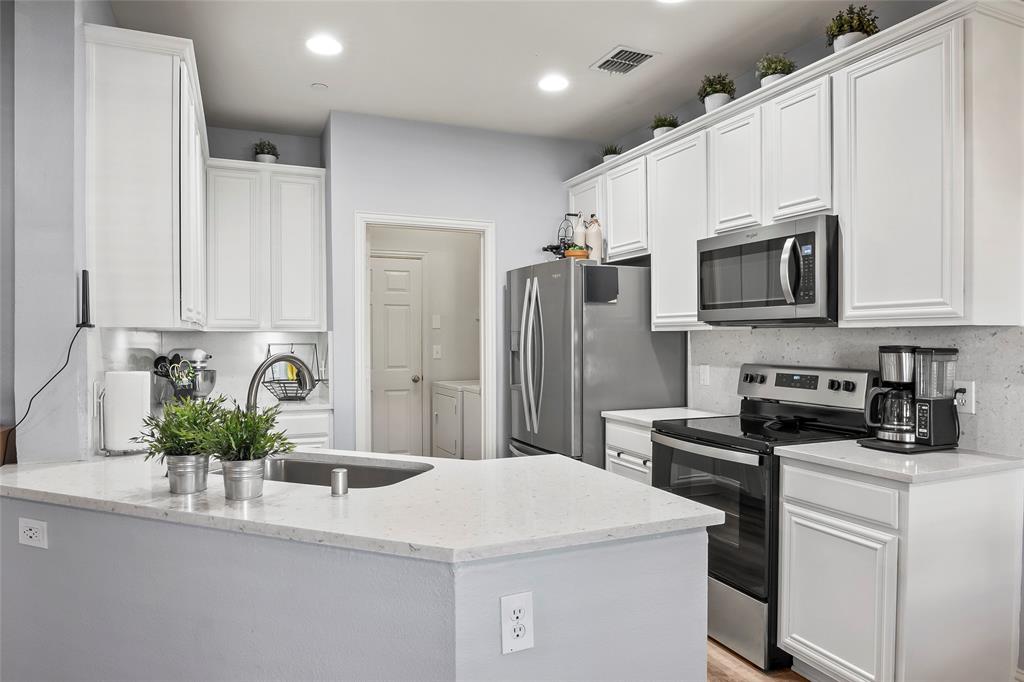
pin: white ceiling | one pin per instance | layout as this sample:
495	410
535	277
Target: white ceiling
471	63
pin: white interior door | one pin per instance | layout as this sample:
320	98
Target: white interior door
396	365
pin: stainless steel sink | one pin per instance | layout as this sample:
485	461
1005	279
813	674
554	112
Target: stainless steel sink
360	473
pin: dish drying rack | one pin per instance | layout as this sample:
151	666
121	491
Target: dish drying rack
288	388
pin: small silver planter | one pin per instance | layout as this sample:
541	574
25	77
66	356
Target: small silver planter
243	480
187	474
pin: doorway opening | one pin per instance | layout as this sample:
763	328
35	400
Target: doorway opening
427	364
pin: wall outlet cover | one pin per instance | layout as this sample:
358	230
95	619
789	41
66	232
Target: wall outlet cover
705	375
965	401
516	622
435	321
32	533
437	351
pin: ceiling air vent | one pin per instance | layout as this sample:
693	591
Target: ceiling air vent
621	60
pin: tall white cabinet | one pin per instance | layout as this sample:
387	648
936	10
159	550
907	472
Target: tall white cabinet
735	172
678	216
266	219
144	180
626	222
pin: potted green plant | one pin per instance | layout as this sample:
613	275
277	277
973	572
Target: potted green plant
176	437
772	67
716	91
265	151
664	123
850	26
241	439
610	151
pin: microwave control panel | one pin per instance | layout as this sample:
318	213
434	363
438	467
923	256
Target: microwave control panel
805	294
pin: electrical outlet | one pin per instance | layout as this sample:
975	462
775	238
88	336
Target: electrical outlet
965	401
437	351
705	375
435	321
32	533
516	622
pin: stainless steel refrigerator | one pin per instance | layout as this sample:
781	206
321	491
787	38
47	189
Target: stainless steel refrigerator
579	342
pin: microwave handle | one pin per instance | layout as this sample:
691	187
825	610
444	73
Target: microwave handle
787	285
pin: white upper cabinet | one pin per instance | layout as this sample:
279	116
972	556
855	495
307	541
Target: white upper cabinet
798	152
900	168
145	154
587	199
735	172
266	220
626	224
297	251
677	194
235	234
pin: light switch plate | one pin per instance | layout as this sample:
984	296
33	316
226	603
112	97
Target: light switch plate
435	321
516	622
705	375
437	351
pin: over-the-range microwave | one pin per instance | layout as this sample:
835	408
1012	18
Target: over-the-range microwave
774	276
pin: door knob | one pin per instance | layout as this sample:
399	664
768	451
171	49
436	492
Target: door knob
415	378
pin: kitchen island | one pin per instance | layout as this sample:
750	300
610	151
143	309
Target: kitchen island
400	582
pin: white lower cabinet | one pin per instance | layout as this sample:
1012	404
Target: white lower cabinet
838	581
628	450
677	198
264	220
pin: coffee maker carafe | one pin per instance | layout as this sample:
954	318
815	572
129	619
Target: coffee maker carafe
914	410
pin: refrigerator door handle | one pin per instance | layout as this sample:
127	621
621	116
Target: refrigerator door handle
522	356
539	400
527	329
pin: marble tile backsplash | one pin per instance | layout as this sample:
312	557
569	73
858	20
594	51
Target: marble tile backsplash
992	357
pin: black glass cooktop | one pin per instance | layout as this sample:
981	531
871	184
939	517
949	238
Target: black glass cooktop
759	433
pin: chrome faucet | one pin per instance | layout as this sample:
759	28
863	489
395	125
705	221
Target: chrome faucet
305	375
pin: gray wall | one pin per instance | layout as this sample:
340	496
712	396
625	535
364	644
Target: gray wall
6	213
889	13
297	150
405	167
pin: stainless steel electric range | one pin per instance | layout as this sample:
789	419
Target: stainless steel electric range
729	463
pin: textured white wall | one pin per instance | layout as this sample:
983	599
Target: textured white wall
387	165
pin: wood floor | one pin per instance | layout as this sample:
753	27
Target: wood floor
725	666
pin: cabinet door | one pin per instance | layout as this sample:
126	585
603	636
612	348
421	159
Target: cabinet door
446	426
587	198
233	239
837	595
626	227
798	152
297	252
192	261
899	157
677	195
735	172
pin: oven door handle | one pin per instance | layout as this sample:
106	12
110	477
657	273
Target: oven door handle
746	458
787	284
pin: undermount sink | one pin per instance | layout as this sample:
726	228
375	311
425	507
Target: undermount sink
360	474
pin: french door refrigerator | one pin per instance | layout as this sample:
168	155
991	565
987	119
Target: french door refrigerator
579	341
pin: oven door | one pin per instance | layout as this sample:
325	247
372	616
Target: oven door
777	274
735	482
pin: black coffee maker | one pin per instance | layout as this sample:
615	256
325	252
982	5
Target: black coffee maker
915	409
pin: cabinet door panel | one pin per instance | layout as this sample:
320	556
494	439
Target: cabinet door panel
234	236
899	141
296	252
735	167
626	225
587	198
837	605
798	152
678	214
192	254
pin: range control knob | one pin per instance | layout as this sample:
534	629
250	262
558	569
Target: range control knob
748	377
761	378
849	386
833	384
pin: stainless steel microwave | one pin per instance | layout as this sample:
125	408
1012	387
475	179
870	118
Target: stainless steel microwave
774	276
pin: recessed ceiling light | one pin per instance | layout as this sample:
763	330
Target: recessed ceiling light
553	82
669	2
323	44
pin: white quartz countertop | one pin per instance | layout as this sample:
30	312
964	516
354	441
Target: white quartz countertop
921	468
648	417
458	511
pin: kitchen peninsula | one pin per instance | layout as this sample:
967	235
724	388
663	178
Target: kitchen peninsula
402	581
